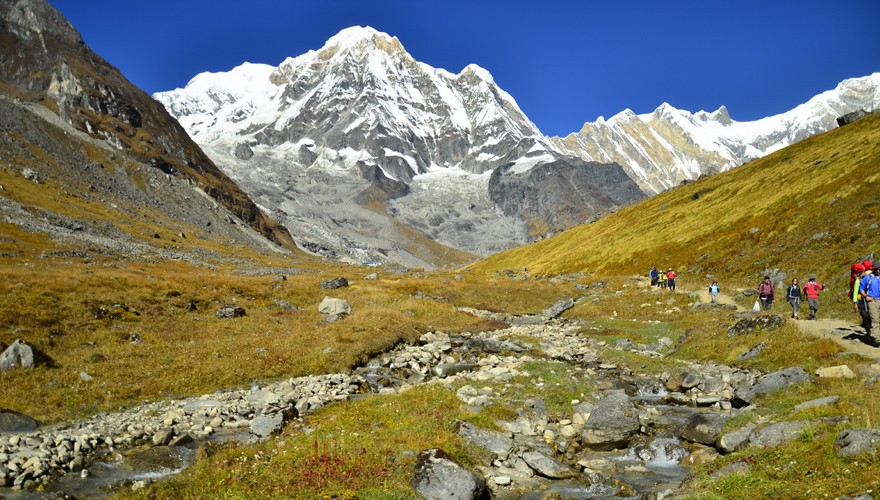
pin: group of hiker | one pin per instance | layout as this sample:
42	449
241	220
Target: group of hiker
663	279
794	294
865	290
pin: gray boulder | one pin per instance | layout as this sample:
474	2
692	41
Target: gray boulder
496	442
334	283
265	425
771	382
756	324
854	442
703	428
439	476
613	421
18	354
334	307
546	466
14	422
778	433
230	311
735	440
557	309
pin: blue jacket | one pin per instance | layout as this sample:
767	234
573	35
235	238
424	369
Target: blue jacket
870	286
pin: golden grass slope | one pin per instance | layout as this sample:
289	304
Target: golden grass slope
813	207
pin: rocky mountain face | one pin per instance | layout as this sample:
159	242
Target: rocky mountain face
659	150
366	154
70	117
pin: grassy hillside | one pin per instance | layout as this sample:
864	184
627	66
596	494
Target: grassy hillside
813	207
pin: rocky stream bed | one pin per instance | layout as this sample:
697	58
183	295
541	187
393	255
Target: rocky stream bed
636	436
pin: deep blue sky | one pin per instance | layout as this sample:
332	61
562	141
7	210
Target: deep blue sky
565	62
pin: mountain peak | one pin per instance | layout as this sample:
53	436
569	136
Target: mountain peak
38	16
362	36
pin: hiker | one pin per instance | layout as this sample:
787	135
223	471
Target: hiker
654	275
670	279
662	282
794	298
713	292
811	290
860	305
870	288
765	293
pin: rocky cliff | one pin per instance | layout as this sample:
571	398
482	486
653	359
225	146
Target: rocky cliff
45	64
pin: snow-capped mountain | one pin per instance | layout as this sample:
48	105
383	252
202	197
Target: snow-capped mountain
663	148
367	154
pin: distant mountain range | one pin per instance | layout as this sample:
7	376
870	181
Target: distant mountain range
659	150
366	154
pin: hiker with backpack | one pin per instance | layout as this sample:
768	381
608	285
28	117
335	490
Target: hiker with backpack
670	279
765	293
662	280
860	305
869	287
811	290
713	292
794	298
654	275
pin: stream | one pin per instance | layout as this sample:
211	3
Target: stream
651	464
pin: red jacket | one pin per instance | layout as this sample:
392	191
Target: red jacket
671	275
812	289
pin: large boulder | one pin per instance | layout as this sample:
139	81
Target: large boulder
771	382
439	476
14	422
18	354
613	421
334	307
703	428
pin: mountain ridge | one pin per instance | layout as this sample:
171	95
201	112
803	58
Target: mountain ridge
359	102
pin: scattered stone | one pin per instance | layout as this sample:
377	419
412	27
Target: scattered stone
735	440
751	353
777	434
546	466
771	382
438	475
497	442
334	283
854	442
557	309
816	403
229	311
85	377
841	371
372	277
756	324
162	437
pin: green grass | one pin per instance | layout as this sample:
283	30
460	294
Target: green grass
808	208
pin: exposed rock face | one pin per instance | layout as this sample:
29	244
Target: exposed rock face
359	132
661	149
52	80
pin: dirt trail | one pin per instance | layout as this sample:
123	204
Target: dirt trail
846	334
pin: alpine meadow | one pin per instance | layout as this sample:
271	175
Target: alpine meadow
383	282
